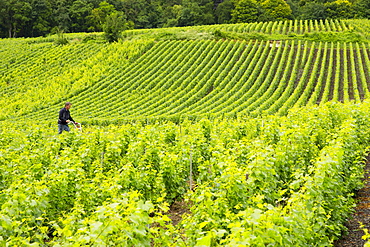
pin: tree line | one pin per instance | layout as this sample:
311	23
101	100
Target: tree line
32	18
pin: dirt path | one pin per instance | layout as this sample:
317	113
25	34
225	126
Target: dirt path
361	214
177	209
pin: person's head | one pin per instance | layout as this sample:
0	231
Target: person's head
68	105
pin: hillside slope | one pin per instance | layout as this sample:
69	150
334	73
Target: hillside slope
224	70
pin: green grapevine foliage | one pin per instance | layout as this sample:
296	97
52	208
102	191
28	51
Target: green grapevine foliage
256	181
261	130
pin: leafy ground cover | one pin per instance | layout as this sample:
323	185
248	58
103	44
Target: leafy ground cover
285	180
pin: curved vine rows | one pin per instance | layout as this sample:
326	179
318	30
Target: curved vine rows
269	161
171	79
177	78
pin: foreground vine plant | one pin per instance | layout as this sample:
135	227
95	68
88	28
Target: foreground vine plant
274	180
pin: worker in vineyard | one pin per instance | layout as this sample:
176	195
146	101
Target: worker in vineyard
64	118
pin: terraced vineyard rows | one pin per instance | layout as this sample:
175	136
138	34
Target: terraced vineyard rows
201	78
172	79
232	122
274	27
46	73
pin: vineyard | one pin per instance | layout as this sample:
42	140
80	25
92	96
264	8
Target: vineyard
148	78
259	130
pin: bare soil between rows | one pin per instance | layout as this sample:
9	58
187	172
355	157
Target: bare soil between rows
177	209
353	237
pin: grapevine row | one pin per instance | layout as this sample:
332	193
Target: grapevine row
274	178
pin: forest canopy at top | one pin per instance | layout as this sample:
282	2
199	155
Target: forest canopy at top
32	18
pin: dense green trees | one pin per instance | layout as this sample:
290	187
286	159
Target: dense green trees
275	10
362	8
29	18
340	9
98	15
114	24
14	15
245	11
223	11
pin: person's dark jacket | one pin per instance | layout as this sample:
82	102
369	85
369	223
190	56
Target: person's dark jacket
64	115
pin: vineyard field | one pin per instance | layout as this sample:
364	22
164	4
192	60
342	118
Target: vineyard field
162	79
285	180
259	131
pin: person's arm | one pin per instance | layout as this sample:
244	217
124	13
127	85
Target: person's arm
62	114
70	118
